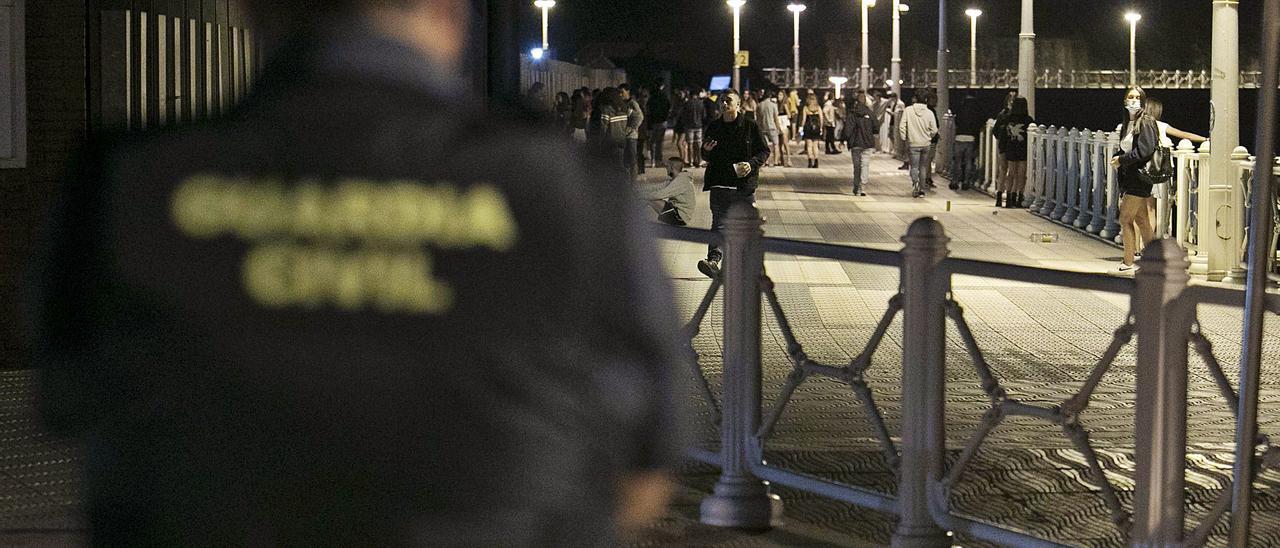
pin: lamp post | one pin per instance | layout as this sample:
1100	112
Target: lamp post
1027	56
546	6
973	14
795	47
866	67
895	64
1133	17
838	82
737	30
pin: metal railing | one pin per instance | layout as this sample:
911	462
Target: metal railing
1070	181
1008	78
1162	317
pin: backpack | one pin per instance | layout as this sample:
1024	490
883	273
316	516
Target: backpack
1160	169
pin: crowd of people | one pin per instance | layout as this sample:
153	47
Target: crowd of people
863	122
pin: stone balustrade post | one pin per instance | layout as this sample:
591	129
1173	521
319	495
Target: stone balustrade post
925	284
739	499
1163	322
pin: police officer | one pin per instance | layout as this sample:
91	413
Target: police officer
308	324
735	149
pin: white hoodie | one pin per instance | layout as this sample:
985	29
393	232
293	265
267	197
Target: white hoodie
918	125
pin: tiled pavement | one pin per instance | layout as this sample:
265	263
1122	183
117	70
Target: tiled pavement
1041	342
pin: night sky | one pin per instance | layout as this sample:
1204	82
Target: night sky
1173	34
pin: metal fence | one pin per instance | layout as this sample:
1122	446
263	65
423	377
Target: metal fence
558	76
1070	181
1008	78
1162	317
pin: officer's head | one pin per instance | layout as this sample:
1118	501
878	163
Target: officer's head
437	28
625	91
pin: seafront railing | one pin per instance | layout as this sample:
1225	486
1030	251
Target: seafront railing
1008	78
1162	321
1070	181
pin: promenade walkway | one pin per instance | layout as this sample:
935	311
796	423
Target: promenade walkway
1041	342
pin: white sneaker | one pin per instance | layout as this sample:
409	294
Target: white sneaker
1128	267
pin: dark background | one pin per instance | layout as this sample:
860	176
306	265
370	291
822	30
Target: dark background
1173	34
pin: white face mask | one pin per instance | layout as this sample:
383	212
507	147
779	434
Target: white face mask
1132	105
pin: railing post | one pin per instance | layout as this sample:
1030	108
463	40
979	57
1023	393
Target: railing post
1072	187
1059	167
925	284
1182	193
1084	172
741	500
1035	174
1163	322
1111	230
1098	155
1206	231
1050	177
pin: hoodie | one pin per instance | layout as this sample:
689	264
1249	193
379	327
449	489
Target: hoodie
918	125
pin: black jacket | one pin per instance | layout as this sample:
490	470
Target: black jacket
738	141
356	311
1013	133
1145	141
693	114
968	120
859	127
659	108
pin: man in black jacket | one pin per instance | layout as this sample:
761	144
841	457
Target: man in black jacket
969	122
659	111
859	134
342	316
735	149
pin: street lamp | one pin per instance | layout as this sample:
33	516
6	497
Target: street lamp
973	14
737	29
838	82
795	48
1133	17
546	6
866	67
895	64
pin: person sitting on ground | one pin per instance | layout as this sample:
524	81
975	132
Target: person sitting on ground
673	198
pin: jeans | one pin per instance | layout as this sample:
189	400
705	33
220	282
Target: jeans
629	158
928	162
721	199
919	158
656	134
963	168
861	168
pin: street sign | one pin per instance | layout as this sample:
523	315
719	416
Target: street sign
742	58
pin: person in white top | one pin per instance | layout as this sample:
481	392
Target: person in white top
1155	109
917	129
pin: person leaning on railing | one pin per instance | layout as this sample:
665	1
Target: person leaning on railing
1139	137
1155	109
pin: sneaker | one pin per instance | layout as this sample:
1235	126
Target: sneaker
1128	267
862	194
710	267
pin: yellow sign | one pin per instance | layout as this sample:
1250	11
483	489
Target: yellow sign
742	59
353	245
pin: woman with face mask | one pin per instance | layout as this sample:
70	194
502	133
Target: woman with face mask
1139	137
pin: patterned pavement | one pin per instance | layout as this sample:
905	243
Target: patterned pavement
1040	341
